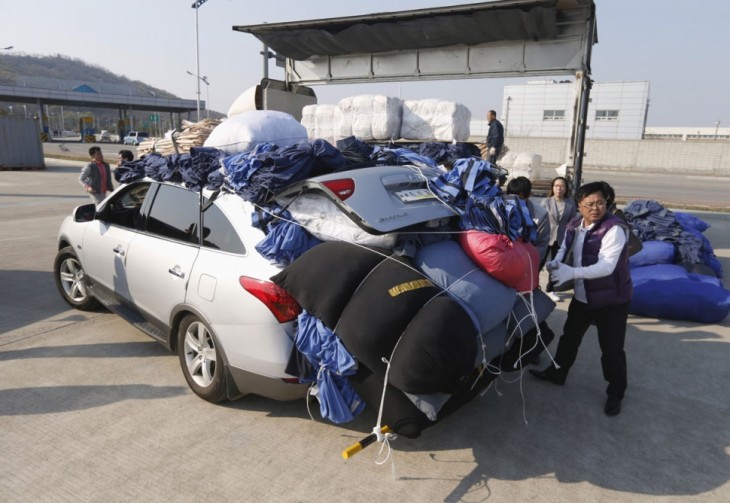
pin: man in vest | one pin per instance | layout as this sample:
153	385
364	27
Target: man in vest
594	256
96	177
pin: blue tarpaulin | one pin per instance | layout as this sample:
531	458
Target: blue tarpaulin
285	240
338	400
267	170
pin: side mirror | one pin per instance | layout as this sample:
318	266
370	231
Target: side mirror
85	213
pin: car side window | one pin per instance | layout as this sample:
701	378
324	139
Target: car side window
174	214
124	210
219	233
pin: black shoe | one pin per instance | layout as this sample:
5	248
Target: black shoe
613	406
551	374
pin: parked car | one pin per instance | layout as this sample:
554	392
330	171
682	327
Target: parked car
135	137
105	136
207	295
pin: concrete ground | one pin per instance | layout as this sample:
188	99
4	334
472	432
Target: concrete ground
93	410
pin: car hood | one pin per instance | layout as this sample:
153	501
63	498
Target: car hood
379	199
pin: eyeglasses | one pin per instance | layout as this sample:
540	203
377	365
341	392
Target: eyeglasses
594	204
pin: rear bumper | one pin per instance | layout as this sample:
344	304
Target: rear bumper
269	387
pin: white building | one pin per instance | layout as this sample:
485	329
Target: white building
544	108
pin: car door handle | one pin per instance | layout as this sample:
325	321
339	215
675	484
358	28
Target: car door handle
119	250
176	271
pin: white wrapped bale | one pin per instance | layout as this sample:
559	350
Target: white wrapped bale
325	119
435	120
369	117
307	121
387	113
417	119
245	102
243	132
362	117
451	122
326	221
526	164
343	127
320	121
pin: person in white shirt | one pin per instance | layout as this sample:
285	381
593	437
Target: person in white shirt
594	256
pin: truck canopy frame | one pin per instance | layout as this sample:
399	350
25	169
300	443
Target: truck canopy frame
503	38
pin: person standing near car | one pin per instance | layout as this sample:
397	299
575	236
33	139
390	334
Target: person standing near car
561	210
521	186
595	256
96	177
495	137
124	156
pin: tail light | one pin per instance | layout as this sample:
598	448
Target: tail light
280	303
343	187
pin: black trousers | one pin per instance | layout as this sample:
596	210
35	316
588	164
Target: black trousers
610	323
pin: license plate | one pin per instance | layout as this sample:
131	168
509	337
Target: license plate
409	196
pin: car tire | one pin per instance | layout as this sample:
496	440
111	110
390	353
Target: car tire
200	359
71	281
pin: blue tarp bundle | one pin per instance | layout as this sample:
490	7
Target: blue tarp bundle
193	168
448	153
388	156
472	187
654	252
266	170
356	152
696	226
665	290
285	240
196	167
338	401
468	178
651	221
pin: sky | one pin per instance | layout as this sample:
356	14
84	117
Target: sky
680	47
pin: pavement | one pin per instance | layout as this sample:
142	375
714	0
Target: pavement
93	410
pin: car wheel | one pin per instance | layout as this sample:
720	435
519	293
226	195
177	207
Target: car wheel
200	359
71	280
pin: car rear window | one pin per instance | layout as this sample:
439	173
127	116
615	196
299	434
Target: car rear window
219	233
174	214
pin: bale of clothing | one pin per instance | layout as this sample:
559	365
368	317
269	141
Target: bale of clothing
676	274
431	316
386	118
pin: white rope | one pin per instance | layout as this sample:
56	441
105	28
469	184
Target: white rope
385	438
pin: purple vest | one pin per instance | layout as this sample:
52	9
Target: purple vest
614	289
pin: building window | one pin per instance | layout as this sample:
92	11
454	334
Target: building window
606	115
553	115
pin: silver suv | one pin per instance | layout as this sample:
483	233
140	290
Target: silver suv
182	267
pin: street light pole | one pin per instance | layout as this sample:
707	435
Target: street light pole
203	79
207	96
196	5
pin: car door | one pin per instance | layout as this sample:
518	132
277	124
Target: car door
160	259
106	241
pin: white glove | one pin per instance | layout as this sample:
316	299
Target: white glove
492	151
552	265
562	274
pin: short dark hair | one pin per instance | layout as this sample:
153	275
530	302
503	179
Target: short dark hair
521	186
591	188
93	150
127	155
493	112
